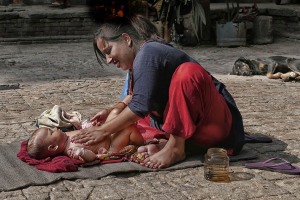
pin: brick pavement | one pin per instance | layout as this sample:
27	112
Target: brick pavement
68	75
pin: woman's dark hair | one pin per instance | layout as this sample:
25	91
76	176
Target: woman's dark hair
137	26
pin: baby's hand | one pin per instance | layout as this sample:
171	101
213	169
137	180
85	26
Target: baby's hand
81	154
76	152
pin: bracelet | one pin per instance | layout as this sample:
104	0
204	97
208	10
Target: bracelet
124	104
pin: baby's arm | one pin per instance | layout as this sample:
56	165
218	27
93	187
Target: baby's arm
82	154
88	156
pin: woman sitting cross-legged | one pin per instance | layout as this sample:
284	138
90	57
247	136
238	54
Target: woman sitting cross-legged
172	94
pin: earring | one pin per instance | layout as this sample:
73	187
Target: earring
53	148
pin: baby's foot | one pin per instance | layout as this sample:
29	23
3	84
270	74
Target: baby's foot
151	149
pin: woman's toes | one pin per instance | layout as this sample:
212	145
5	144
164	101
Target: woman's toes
156	166
147	164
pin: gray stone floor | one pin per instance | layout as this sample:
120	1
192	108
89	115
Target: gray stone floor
35	77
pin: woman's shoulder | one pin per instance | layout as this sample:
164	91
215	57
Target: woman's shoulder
155	49
156	44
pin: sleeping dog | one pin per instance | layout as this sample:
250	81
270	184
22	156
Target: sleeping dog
275	67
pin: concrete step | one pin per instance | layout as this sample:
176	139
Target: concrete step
40	23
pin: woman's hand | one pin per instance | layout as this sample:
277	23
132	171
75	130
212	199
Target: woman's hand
89	136
100	117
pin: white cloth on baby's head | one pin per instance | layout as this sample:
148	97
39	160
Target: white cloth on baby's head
57	117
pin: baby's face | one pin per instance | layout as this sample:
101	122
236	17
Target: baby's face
54	137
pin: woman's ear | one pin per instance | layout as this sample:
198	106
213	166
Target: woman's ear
127	39
52	147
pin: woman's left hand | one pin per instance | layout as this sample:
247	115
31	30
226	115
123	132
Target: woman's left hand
100	117
89	136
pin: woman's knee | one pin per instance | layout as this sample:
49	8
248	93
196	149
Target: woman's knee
188	70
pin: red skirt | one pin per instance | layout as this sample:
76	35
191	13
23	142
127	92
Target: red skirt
195	109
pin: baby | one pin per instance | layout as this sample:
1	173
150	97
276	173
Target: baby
46	142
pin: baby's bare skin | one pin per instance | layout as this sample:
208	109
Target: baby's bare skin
113	143
94	148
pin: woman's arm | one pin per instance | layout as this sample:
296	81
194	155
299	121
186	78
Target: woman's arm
95	134
118	108
123	120
105	115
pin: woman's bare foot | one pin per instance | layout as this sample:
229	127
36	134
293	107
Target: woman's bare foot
172	152
150	149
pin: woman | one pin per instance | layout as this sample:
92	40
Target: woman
170	91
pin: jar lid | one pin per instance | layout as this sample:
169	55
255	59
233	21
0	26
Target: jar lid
216	151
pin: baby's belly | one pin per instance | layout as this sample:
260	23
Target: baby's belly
93	148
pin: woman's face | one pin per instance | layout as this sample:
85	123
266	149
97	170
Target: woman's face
119	52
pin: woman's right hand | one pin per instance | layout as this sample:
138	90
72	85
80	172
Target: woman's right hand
100	117
89	136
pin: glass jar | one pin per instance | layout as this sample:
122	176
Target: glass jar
216	165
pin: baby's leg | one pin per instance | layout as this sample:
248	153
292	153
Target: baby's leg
128	136
135	137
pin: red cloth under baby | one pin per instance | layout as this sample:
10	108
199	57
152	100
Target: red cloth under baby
57	164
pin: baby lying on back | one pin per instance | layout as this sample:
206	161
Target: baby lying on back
46	142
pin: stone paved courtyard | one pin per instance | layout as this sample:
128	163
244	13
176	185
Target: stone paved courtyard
68	75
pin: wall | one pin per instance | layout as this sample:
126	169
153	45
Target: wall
37	26
75	23
286	20
40	2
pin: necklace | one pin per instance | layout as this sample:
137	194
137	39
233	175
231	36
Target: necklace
66	143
